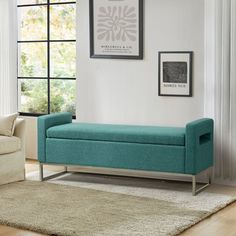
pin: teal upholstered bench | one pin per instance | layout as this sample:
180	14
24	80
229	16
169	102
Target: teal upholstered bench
187	150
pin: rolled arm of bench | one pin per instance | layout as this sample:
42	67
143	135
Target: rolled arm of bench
45	122
199	145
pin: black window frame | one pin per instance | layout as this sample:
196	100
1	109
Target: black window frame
48	41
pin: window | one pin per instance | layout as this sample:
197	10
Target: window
46	56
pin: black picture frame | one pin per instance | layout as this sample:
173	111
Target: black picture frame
170	83
122	48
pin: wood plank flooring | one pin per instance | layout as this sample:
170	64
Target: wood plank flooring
223	223
9	231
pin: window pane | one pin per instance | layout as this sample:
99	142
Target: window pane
32	23
24	2
33	95
62	95
63	59
62	21
32	58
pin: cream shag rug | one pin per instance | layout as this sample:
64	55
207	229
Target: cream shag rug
104	206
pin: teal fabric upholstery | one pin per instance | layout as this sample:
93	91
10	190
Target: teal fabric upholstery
45	122
116	155
119	133
199	145
187	150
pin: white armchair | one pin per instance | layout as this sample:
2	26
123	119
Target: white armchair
12	155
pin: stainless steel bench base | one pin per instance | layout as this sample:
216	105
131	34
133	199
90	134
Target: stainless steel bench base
195	190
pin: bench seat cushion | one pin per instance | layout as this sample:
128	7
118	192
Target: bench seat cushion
119	133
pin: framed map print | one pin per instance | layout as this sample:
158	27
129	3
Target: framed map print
116	29
175	74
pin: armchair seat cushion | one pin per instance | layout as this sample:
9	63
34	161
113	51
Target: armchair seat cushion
9	144
119	133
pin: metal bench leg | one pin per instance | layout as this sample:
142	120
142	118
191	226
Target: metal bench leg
41	171
195	191
50	176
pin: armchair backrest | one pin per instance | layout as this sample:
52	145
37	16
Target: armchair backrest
20	130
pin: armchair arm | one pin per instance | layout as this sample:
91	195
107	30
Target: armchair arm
45	122
20	132
199	145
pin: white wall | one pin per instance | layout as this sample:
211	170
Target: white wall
31	137
126	91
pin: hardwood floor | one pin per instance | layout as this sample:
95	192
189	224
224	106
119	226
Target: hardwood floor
223	223
9	231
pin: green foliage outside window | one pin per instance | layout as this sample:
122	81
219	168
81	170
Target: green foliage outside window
33	61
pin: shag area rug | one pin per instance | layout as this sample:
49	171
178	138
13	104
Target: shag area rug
93	208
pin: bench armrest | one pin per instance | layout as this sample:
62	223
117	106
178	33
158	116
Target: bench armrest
45	122
199	145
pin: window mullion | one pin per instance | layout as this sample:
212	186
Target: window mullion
48	44
46	69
